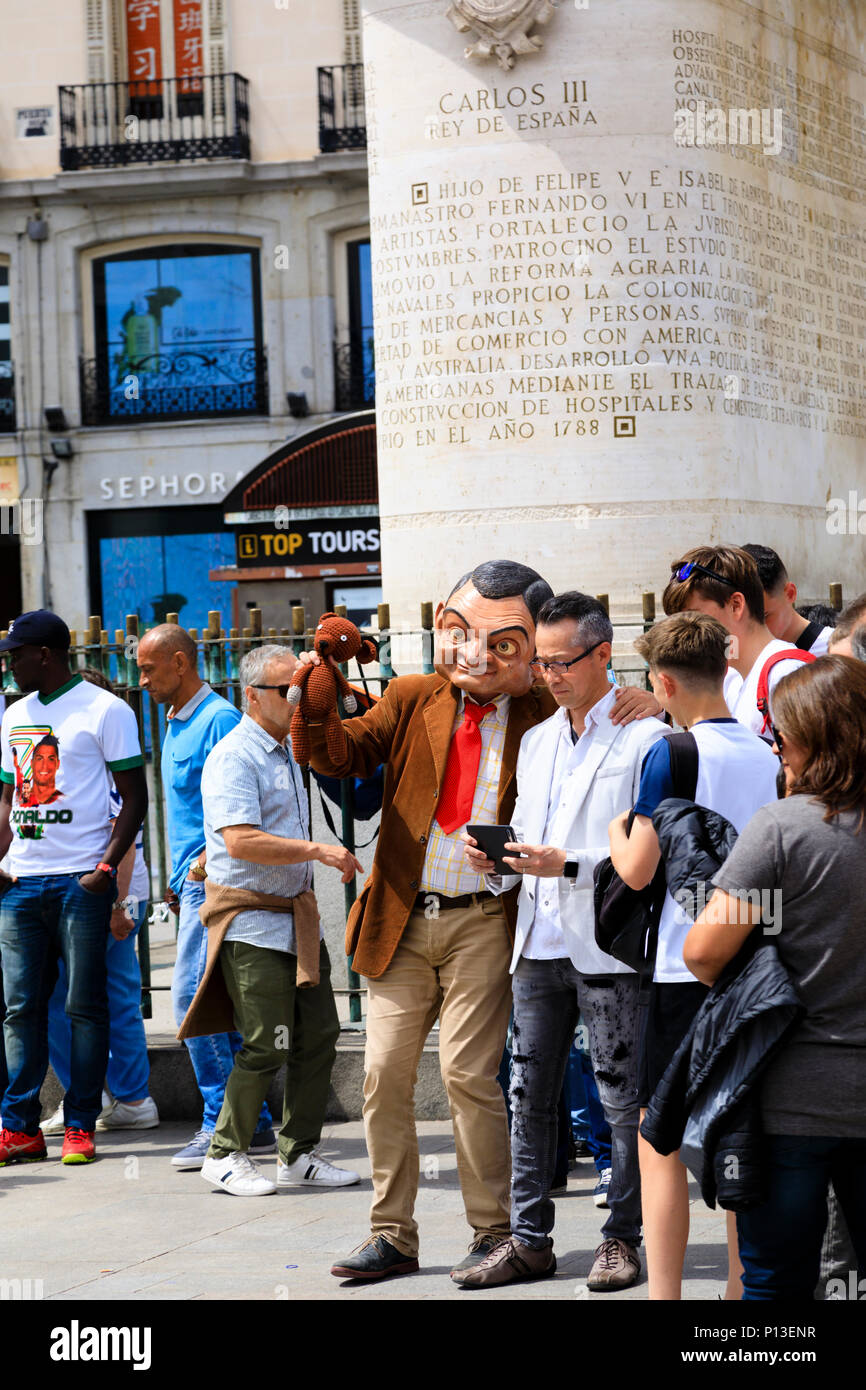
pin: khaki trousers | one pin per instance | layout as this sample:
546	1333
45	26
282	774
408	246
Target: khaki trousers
454	966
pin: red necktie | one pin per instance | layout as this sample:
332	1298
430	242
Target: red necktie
461	772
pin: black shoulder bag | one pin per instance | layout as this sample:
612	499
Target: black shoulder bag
627	919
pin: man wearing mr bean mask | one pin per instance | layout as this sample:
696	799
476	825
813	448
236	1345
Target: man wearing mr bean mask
430	938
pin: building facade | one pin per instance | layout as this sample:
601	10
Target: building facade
184	286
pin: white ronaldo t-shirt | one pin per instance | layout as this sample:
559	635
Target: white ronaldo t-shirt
58	752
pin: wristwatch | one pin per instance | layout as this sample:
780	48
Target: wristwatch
570	868
198	871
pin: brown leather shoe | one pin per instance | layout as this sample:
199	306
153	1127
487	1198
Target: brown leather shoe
617	1266
510	1262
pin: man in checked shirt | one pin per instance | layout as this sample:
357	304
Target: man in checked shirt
430	938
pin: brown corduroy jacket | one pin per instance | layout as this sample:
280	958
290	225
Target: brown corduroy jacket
409	730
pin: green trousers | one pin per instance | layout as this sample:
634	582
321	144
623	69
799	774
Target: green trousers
279	1023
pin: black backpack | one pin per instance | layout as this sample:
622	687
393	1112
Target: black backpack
627	919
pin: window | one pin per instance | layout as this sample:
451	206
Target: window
139	40
355	367
178	335
7	378
351	32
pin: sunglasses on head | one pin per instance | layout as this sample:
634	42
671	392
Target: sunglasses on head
685	571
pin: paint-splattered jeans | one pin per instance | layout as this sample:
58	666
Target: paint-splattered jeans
547	997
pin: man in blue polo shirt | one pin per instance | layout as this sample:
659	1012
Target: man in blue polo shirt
196	720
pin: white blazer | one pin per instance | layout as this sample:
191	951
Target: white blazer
605	784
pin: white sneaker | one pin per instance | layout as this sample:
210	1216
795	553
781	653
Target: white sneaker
54	1124
311	1170
238	1175
118	1115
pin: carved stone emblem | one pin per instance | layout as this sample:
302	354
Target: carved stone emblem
501	27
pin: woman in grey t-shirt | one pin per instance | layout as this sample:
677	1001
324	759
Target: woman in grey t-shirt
800	866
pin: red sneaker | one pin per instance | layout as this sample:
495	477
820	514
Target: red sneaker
18	1147
78	1146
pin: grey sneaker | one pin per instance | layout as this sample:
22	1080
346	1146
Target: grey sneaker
118	1115
193	1156
617	1266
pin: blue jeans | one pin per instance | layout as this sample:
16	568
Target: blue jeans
4	1075
128	1070
780	1241
547	997
43	919
586	1110
212	1057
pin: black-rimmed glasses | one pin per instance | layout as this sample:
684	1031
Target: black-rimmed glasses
559	667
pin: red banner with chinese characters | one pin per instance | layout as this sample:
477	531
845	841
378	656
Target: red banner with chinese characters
144	47
188	50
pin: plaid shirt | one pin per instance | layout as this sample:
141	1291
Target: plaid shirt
445	868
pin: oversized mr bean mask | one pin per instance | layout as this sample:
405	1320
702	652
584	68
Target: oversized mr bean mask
484	645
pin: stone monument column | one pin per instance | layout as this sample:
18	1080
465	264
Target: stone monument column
619	261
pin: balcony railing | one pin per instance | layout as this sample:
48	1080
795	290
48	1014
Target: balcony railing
342	120
175	384
355	372
7	398
106	124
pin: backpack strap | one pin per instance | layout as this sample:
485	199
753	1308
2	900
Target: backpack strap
789	654
684	764
808	637
683	751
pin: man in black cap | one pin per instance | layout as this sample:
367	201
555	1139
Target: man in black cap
63	856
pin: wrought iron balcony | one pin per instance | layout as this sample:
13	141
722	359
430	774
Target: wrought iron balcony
106	124
175	384
342	119
355	372
7	398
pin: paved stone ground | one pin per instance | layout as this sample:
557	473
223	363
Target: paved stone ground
129	1226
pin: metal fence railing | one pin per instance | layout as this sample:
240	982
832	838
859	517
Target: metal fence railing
220	652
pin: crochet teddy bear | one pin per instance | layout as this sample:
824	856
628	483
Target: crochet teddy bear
313	689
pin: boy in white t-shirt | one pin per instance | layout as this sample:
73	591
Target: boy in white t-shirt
723	582
61	744
736	777
780	595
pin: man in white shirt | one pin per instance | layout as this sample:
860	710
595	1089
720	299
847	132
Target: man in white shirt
575	772
62	743
780	595
723	581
